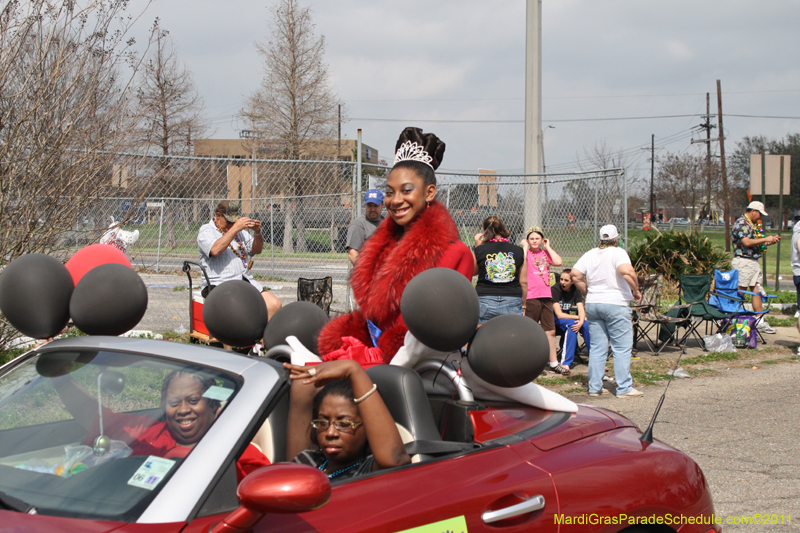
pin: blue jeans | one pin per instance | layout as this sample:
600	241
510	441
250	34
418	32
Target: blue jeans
612	323
492	306
796	280
571	338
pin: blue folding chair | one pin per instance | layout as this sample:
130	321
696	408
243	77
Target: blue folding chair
727	297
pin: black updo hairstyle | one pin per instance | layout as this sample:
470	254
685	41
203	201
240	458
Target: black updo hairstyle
340	387
431	144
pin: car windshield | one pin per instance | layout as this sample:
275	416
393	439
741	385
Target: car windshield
68	452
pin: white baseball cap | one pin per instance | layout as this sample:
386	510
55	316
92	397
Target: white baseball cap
609	232
757	206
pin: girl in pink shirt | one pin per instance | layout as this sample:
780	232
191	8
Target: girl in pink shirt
538	305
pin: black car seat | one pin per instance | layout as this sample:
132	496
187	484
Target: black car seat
404	395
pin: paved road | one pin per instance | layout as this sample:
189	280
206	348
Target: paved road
742	429
309	267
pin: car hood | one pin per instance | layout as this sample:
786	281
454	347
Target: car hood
14	521
589	420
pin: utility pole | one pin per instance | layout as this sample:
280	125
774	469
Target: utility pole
532	212
652	175
339	143
706	125
725	196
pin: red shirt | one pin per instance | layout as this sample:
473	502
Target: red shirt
145	435
148	436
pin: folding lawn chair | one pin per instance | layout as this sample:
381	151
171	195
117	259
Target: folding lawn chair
318	291
727	298
647	318
694	290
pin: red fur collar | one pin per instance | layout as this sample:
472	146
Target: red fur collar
390	258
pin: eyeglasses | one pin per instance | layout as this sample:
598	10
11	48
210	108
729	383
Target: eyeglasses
321	424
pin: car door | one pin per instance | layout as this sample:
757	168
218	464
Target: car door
451	494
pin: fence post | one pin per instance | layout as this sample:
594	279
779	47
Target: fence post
625	205
272	238
447	204
596	228
358	174
160	224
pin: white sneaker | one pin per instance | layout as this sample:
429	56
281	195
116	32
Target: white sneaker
764	327
797	314
633	393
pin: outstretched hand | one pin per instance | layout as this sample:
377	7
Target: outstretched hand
323	373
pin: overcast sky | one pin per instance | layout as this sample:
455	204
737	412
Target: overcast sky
464	60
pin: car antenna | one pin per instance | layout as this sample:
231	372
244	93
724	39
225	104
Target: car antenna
647	436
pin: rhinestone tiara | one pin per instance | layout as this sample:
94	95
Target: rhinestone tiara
411	151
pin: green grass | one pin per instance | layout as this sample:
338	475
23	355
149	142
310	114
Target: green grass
575	390
552	381
781	322
713	356
771	361
647	377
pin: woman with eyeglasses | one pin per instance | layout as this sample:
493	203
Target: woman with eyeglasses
341	425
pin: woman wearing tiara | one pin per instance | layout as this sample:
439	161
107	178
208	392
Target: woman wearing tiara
418	234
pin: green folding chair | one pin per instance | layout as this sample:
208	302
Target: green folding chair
694	292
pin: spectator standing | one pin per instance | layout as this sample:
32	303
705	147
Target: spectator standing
749	243
608	281
500	267
566	297
226	249
796	264
539	299
362	227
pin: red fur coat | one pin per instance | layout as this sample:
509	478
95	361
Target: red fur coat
389	259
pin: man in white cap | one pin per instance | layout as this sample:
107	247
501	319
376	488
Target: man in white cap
749	243
361	228
608	282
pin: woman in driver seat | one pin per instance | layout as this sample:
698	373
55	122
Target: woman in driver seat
344	429
187	415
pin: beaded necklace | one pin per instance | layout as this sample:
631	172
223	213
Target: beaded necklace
542	266
498	239
758	231
241	252
340	471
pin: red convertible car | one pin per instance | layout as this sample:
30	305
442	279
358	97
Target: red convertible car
85	446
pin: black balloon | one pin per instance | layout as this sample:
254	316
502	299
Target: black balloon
35	290
110	299
440	308
509	351
304	320
235	313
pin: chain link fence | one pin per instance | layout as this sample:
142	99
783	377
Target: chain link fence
305	208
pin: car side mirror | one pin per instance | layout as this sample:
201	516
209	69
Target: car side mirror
278	488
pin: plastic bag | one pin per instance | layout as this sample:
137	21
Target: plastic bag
79	457
719	343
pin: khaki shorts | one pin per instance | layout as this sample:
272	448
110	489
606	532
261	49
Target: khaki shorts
749	271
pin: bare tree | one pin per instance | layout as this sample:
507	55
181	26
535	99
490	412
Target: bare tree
295	102
63	102
685	180
169	116
169	107
611	187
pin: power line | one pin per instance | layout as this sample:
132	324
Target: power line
448	121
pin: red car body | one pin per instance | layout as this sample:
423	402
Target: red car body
586	471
